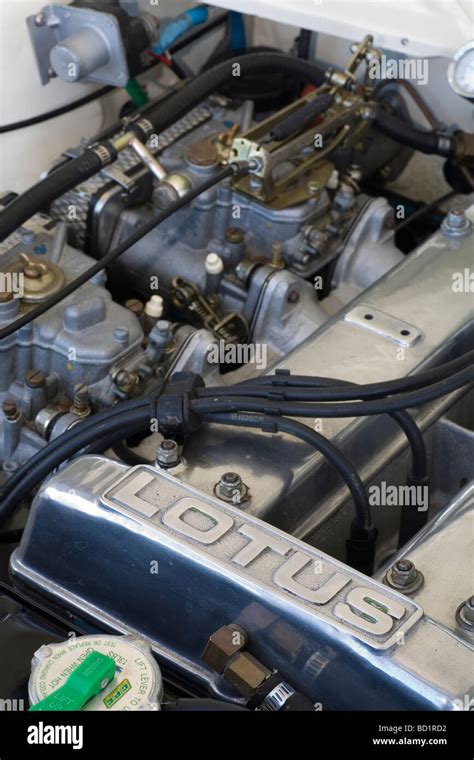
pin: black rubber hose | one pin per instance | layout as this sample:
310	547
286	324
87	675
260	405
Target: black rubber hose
163	116
432	143
296	429
41	195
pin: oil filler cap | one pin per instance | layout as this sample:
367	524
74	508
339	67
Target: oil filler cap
95	673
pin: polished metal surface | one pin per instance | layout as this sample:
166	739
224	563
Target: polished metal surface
146	554
292	486
443	551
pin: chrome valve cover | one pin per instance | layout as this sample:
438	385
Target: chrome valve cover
141	552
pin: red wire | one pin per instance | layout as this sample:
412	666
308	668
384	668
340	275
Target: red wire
162	58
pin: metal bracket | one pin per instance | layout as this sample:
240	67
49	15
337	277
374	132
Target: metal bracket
90	40
384	325
117	175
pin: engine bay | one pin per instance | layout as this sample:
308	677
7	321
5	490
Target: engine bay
236	384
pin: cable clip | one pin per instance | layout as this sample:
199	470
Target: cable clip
172	408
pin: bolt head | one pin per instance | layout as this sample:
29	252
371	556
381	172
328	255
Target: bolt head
293	296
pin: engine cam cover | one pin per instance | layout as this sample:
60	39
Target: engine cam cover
137	550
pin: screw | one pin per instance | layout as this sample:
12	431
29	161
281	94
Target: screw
234	235
80	406
5	296
40	19
313	188
32	269
28	237
135	306
10	410
121	334
293	296
277	261
35	378
167	454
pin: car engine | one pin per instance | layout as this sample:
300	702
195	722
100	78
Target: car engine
236	378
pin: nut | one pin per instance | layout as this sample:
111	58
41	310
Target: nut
231	488
465	614
167	454
223	645
404	576
245	673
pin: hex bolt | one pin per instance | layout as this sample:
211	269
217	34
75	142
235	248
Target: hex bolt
10	410
167	454
35	378
80	406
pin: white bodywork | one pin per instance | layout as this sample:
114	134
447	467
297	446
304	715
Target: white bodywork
414	27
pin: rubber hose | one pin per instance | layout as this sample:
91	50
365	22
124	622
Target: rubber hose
46	191
163	116
426	142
